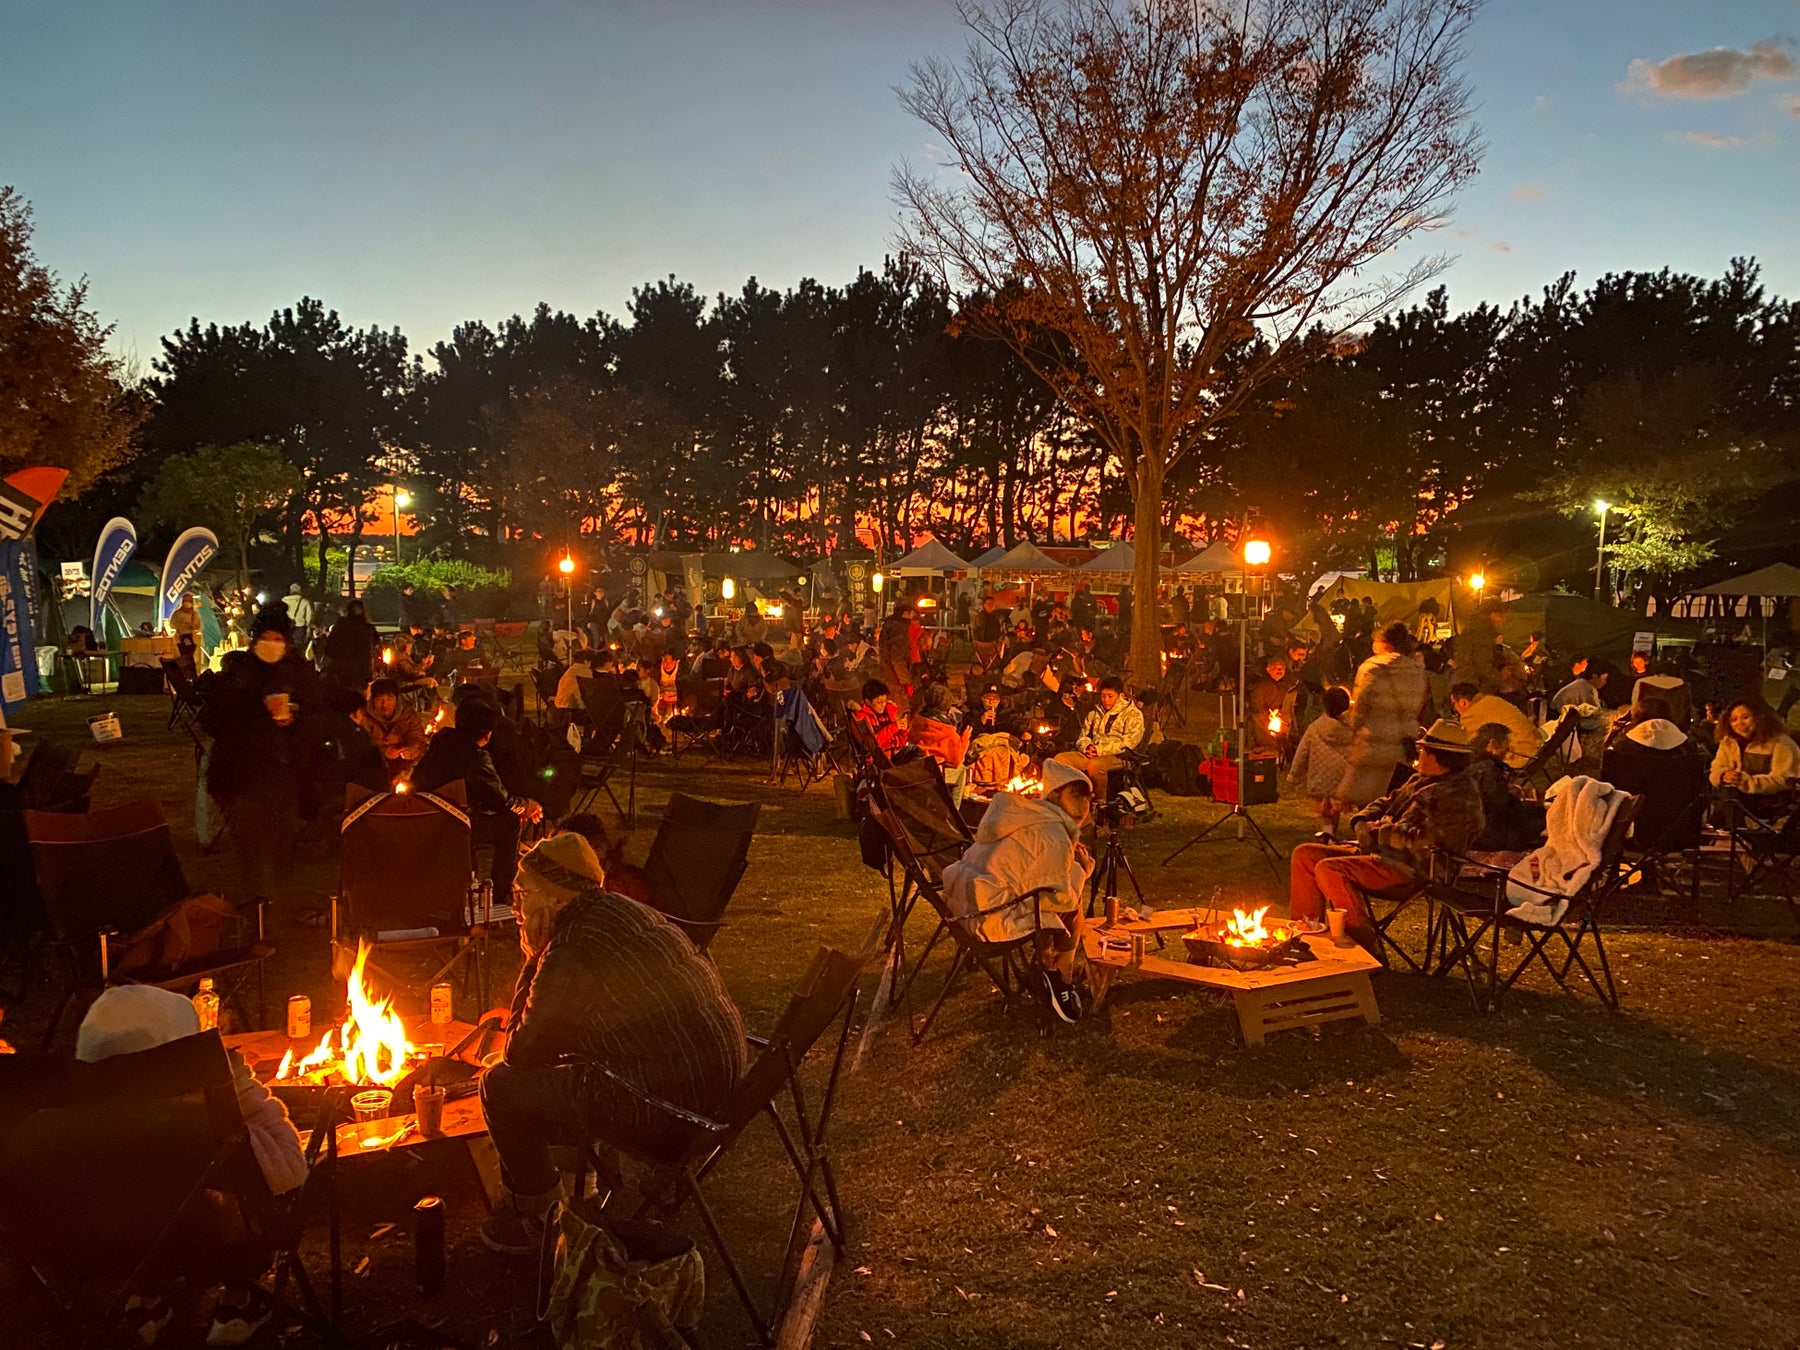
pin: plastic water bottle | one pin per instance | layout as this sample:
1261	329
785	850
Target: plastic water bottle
206	1004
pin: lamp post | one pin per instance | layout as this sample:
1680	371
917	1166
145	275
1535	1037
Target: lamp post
1602	507
1256	554
401	499
567	568
876	582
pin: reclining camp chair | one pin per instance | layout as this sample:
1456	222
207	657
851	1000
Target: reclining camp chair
405	875
1764	846
543	684
104	875
826	997
106	1187
1474	910
1010	965
1671	814
699	719
184	699
802	740
696	861
1552	756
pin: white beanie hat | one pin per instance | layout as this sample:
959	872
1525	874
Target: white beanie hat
133	1017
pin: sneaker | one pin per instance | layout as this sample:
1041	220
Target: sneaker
236	1324
148	1316
511	1233
1064	1001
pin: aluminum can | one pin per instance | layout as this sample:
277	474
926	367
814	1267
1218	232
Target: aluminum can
299	1018
428	1245
440	1004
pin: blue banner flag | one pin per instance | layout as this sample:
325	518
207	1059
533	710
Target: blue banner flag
187	556
118	541
18	659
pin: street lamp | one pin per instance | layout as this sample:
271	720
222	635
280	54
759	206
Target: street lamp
401	500
1478	583
567	568
1601	508
876	582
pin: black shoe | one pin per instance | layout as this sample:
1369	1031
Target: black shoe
1064	1001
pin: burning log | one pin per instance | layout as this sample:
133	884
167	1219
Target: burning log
1244	942
370	1049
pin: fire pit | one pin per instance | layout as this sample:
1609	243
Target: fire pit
1243	942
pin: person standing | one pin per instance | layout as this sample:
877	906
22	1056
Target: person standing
300	610
1384	714
255	713
350	649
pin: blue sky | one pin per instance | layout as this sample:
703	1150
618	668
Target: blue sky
416	164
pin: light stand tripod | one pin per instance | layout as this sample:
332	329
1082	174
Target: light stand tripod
1113	860
1239	812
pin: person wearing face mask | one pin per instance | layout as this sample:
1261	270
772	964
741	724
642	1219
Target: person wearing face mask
254	712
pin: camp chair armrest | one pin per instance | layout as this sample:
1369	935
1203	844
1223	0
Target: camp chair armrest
668	1108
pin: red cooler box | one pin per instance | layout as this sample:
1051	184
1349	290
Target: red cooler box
1259	780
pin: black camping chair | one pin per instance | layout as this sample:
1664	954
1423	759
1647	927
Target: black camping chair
1764	846
1545	766
699	719
107	1187
405	885
696	861
543	683
1474	909
917	801
184	699
1671	816
827	997
1010	964
102	876
610	743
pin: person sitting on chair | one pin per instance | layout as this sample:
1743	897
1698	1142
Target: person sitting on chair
1757	762
1509	822
1475	709
613	1008
1110	730
1272	696
1438	808
459	752
1026	847
881	716
397	731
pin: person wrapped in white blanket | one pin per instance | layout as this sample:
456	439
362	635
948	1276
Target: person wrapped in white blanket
1579	814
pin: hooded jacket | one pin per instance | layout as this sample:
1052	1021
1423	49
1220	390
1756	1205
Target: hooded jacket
1023	844
1384	713
1321	759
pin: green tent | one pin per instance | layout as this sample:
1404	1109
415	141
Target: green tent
1571	623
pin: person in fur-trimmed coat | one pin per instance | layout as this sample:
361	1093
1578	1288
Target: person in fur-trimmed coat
1384	715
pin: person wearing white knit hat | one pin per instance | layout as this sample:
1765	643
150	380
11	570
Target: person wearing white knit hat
1026	875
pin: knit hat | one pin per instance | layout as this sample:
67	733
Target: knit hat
133	1017
1056	775
1657	733
556	871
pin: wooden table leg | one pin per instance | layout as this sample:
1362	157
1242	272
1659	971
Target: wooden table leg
1249	1005
1099	981
1365	998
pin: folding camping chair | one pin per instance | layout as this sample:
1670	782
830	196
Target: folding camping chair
104	875
917	800
696	861
609	743
184	699
1671	814
827	995
1544	765
1011	965
1385	905
1472	915
796	724
405	885
110	1182
1764	846
699	719
543	684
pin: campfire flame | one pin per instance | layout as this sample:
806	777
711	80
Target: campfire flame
1275	722
387	656
375	1045
371	1047
1247	930
1028	787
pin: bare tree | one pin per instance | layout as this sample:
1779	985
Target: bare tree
1146	191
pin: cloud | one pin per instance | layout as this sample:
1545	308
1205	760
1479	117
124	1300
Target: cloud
1530	192
1501	246
1718	73
1713	140
1790	103
1541	103
1465	234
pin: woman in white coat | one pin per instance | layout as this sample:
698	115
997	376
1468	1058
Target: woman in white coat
1384	715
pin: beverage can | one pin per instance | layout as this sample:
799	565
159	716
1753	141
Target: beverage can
440	1003
299	1018
428	1245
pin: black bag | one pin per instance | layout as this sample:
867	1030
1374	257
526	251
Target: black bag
1176	766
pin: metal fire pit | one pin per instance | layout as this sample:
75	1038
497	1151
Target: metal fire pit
1204	949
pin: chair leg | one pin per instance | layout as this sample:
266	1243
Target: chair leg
757	1319
956	966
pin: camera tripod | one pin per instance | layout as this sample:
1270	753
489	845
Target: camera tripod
1270	854
1105	883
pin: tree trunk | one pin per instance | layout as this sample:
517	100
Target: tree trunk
324	548
1146	634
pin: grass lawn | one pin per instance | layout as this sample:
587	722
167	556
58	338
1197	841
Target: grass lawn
1553	1174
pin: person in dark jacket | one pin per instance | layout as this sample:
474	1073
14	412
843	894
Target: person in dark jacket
613	1005
349	656
1654	760
459	752
259	713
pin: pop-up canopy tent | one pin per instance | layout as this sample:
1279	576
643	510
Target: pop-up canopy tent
988	557
1215	560
1394	600
1777	579
1026	560
1776	582
929	559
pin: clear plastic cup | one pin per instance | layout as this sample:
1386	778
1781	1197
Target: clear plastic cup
371	1105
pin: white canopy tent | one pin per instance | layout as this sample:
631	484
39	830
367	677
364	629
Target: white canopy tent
1216	559
929	559
1025	560
1118	561
987	557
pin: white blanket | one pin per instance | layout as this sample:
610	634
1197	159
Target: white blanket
1579	812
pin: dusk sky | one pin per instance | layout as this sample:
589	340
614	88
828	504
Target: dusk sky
416	164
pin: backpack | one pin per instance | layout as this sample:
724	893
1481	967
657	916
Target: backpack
606	1284
186	931
1176	765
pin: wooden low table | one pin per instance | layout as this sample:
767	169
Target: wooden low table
463	1121
1331	988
